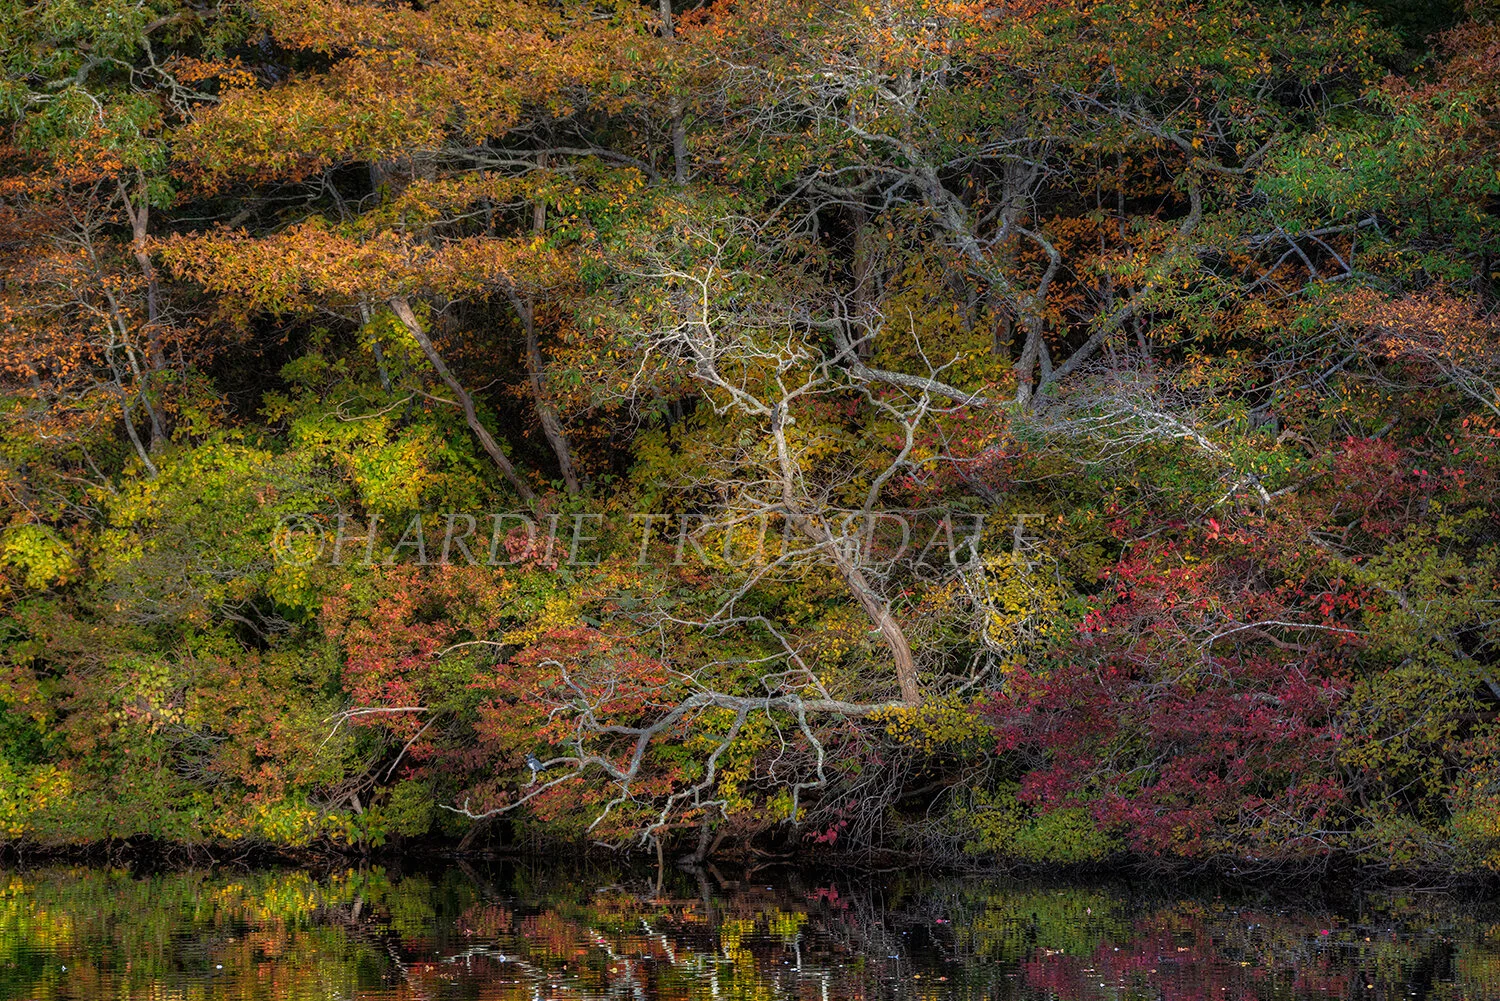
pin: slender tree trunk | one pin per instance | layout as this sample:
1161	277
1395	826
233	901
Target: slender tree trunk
865	266
140	224
675	110
135	438
130	431
140	219
679	142
385	375
143	389
879	613
705	838
403	312
552	427
853	577
140	376
1002	343
1026	365
536	374
661	867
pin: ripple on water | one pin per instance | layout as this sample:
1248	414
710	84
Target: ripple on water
533	930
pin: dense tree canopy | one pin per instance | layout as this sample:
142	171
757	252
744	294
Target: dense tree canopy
1041	431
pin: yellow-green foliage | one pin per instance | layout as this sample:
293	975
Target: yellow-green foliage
150	691
736	765
391	467
1476	829
25	791
1399	723
410	810
197	535
288	823
36	551
925	322
1475	801
1023	605
942	724
995	823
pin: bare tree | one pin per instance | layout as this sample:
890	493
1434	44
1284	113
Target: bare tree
770	348
766	348
880	94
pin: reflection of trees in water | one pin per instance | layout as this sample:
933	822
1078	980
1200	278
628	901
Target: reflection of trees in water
526	932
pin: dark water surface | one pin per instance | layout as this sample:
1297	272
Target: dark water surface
534	930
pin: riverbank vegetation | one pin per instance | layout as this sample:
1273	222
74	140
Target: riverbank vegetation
1045	432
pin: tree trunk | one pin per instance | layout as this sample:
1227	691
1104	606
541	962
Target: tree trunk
140	219
1027	364
880	614
854	579
866	267
403	312
380	368
135	439
675	110
536	374
140	222
552	427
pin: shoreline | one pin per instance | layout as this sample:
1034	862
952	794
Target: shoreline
157	855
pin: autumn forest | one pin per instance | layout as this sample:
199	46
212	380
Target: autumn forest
994	433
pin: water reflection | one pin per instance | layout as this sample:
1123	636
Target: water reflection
533	931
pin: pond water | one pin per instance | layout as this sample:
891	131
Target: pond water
534	930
